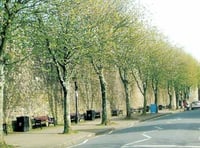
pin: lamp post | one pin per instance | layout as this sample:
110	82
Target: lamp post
76	101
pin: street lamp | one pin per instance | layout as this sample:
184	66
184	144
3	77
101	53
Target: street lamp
76	101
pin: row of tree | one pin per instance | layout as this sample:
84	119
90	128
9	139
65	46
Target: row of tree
59	41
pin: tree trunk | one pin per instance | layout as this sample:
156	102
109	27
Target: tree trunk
199	92
170	101
177	99
128	112
145	100
56	111
104	120
64	82
51	100
123	76
170	95
155	89
156	97
66	114
2	80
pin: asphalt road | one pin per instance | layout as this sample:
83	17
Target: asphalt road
180	130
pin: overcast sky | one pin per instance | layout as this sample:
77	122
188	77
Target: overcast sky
179	20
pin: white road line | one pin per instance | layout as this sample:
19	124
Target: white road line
110	132
157	127
147	137
131	125
165	146
78	144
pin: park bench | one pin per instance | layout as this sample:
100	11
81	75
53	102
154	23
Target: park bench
40	121
73	117
139	110
97	114
116	112
136	110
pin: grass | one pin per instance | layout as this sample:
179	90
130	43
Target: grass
3	145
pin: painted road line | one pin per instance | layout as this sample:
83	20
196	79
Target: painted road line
147	137
110	132
165	146
78	144
157	127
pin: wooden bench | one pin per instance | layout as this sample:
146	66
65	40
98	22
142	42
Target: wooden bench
136	110
116	112
40	121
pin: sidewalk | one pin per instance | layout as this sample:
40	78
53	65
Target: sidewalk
52	137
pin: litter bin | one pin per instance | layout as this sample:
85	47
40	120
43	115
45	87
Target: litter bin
147	108
153	108
115	112
14	125
160	107
22	124
90	115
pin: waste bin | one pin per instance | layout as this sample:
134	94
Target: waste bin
115	112
147	108
22	124
160	107
14	125
153	108
90	115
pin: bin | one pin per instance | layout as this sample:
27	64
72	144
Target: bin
14	125
22	124
153	108
160	107
115	112
90	115
147	108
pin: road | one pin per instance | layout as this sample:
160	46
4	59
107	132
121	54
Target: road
179	130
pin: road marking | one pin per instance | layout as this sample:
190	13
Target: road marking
131	125
147	137
110	132
157	127
165	146
177	119
78	144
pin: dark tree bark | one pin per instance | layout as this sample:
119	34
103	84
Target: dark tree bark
124	79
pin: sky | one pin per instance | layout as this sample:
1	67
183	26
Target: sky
179	20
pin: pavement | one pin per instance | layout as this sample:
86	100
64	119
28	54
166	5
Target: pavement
52	137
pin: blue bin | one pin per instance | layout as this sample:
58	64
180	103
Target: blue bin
153	108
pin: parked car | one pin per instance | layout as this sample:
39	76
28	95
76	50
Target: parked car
195	105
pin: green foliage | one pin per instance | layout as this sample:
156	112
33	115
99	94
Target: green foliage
3	145
74	33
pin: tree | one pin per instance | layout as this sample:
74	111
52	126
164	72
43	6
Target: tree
60	32
102	19
158	63
186	77
123	55
141	62
11	13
